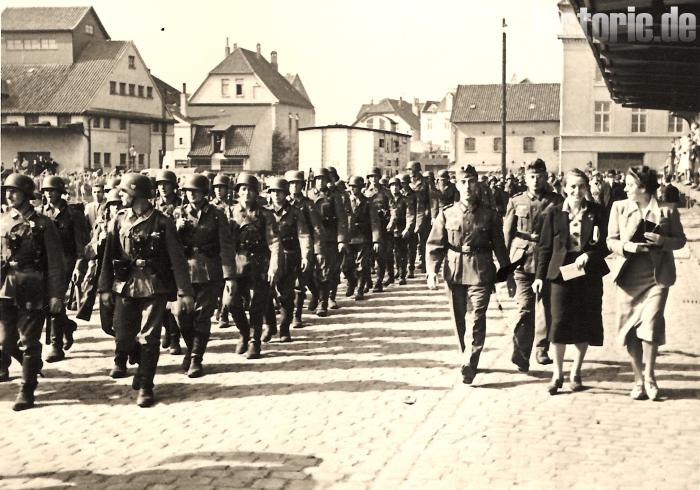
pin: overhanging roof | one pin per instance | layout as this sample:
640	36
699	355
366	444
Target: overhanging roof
655	74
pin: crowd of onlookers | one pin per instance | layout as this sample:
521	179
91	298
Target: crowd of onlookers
684	157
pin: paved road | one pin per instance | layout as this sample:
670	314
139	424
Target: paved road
370	397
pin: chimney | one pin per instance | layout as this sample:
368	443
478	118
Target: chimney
228	50
257	47
235	46
183	100
416	106
273	60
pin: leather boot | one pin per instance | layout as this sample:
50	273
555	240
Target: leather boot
268	332
147	368
119	369
56	353
313	303
352	284
25	397
5	361
199	347
242	347
254	351
68	328
187	360
361	290
175	348
298	307
285	334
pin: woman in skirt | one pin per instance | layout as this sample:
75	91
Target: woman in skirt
573	235
643	233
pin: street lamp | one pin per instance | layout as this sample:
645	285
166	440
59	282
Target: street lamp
132	156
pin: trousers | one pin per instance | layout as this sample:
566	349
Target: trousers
479	296
533	316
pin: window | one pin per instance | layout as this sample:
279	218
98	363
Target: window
27	44
48	44
469	144
156	127
108	160
149	92
675	124
96	122
89	29
122	159
601	122
381	142
112	88
180	140
122	124
224	87
639	120
429	123
217	142
96	158
31	119
289	125
141	160
107	123
396	145
381	124
15	44
132	62
370	123
122	88
497	144
140	90
239	87
63	121
132	89
528	144
555	143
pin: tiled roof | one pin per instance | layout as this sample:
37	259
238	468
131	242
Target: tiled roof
426	105
242	61
238	140
524	102
45	18
61	89
399	107
295	80
201	143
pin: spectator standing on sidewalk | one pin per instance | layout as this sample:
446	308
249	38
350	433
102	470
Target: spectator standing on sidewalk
643	234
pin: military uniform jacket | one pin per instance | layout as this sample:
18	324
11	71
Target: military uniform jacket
32	264
334	219
219	203
522	225
446	197
167	207
466	237
422	198
293	230
401	217
207	242
255	239
411	205
72	228
379	199
364	224
312	218
143	257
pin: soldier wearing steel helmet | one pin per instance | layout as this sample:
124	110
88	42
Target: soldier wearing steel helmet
257	248
221	186
206	238
446	191
422	194
411	239
74	234
33	283
465	236
379	199
402	219
143	268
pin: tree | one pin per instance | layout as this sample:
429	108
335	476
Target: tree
285	154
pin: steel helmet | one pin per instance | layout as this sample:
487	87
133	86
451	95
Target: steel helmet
394	181
323	173
136	185
112	183
356	181
444	174
294	176
166	176
405	178
221	180
278	184
375	172
414	165
53	182
245	178
21	182
196	182
113	196
428	174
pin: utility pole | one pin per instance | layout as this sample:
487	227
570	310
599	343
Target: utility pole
503	103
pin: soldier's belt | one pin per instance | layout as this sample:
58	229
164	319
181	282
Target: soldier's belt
469	250
533	237
20	265
207	250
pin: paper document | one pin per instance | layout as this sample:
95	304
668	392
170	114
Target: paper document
571	271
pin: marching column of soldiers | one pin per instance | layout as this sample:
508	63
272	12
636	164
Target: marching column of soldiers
165	255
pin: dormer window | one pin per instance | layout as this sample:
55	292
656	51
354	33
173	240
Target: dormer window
132	62
89	29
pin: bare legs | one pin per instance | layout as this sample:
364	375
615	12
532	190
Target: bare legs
558	366
643	356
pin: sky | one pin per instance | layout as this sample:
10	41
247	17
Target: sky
346	52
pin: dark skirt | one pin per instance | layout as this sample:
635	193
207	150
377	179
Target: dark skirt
577	307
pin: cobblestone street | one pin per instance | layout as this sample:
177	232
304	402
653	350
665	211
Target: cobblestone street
369	397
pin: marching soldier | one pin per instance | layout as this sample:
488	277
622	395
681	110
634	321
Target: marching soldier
466	235
379	199
257	261
221	186
364	236
446	192
33	281
145	267
305	279
411	240
400	227
296	253
206	238
334	221
166	202
422	193
521	229
74	235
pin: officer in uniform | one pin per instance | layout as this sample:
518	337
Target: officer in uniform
257	260
400	227
206	238
74	235
466	235
521	229
145	267
166	202
297	253
334	228
32	271
305	279
422	192
379	199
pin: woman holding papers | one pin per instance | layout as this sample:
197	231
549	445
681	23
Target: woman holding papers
643	233
571	254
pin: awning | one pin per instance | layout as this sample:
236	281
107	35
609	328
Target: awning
238	139
656	74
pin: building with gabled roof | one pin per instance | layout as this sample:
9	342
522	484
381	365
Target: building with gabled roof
295	80
391	114
75	96
532	117
234	113
435	126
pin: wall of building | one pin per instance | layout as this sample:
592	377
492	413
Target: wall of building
436	129
261	144
254	90
182	143
301	118
310	150
81	37
485	158
63	54
69	149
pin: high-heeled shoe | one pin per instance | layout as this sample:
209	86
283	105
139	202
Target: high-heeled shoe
652	389
638	392
555	385
575	383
